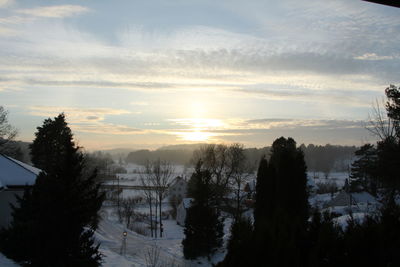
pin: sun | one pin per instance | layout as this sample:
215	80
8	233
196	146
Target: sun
196	136
198	129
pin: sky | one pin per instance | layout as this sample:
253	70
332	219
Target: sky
144	74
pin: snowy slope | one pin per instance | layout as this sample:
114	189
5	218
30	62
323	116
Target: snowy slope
5	262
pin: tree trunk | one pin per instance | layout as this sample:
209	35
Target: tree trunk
155	218
151	218
161	227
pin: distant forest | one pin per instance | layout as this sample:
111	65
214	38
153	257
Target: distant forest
318	158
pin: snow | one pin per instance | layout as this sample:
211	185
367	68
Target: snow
336	177
110	235
319	200
343	220
14	172
27	166
5	262
170	249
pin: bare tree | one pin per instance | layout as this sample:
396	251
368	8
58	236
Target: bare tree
229	169
128	206
162	173
240	172
7	132
379	124
146	180
156	177
214	159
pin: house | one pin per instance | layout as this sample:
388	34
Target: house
358	202
181	211
177	188
15	176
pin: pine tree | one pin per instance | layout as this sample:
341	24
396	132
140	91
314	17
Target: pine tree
240	245
281	213
60	214
363	174
203	226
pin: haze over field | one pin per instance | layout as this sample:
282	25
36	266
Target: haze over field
144	74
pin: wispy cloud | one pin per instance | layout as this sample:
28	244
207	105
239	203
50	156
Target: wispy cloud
60	11
76	112
89	120
373	56
6	3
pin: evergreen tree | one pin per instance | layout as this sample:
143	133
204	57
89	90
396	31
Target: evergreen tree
240	245
325	242
393	107
203	227
59	216
363	174
281	213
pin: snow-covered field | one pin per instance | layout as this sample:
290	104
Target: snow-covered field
139	247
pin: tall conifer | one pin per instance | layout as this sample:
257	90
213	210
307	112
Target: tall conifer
59	215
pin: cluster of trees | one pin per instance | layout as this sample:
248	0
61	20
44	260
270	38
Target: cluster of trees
319	158
176	156
221	170
328	158
377	166
104	164
286	232
54	222
155	178
280	214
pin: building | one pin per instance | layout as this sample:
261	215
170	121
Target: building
182	210
357	202
15	176
177	189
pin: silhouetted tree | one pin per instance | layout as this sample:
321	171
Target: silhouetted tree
203	227
325	242
59	216
240	244
281	213
364	174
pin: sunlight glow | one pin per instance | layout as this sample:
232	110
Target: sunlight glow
195	136
199	129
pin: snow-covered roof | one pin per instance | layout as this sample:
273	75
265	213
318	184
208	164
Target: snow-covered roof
14	172
343	199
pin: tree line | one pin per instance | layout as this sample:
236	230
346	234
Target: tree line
319	158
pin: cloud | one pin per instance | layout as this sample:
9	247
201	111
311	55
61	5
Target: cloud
61	11
76	114
106	129
300	123
6	3
373	56
93	118
135	103
88	120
